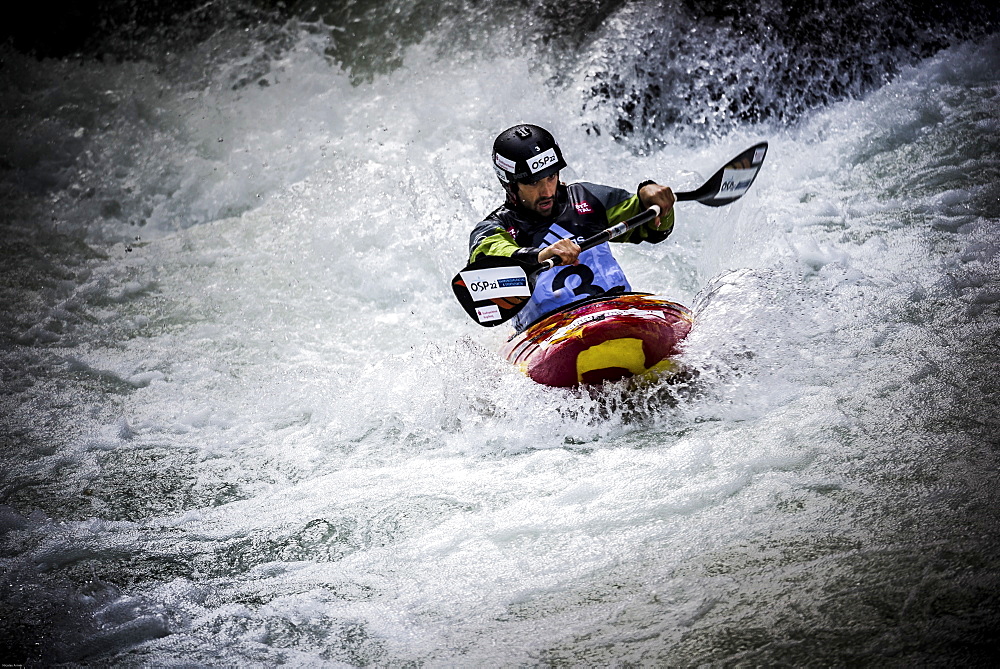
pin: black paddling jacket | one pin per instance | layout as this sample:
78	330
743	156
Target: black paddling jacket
582	209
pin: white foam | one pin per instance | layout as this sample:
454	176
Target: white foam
313	445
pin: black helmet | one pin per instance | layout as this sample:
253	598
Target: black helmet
525	153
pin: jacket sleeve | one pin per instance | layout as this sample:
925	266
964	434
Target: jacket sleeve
621	205
491	238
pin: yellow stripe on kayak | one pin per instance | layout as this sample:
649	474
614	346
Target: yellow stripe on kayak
625	353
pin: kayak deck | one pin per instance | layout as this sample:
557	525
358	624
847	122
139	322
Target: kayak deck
602	340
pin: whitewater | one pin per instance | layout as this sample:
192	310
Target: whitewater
245	422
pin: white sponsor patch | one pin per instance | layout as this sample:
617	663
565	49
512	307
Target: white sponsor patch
494	282
736	182
487	314
504	163
542	160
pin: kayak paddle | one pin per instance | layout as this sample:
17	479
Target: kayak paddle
493	289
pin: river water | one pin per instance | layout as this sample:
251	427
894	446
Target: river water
246	423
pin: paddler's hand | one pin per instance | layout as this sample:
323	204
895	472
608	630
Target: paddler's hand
567	250
663	196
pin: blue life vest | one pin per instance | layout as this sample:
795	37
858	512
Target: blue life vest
598	273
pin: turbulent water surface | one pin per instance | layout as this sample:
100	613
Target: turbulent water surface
245	422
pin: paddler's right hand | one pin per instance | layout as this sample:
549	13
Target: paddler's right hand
567	250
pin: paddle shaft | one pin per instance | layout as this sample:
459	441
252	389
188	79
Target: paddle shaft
705	192
607	235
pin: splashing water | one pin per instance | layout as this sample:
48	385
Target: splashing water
245	423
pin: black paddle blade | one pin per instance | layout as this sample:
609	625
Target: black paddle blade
492	290
732	181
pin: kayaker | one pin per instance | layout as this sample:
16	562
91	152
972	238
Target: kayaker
543	217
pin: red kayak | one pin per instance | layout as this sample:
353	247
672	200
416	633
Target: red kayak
602	340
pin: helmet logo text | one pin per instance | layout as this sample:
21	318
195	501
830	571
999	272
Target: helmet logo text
504	163
542	160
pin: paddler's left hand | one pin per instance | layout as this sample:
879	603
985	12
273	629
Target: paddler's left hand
654	193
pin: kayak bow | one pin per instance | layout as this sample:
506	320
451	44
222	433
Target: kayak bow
601	340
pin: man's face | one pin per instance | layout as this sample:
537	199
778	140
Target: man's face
540	197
